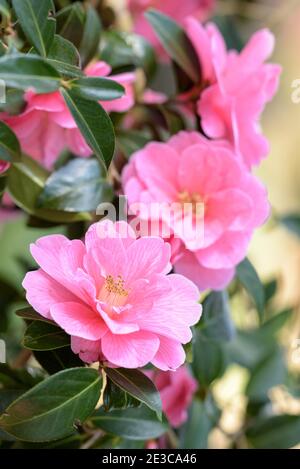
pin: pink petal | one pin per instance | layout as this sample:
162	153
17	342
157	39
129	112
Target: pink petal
170	354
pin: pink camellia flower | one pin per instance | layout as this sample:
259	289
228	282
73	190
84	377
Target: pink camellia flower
4	165
176	390
189	169
178	10
237	88
112	295
46	127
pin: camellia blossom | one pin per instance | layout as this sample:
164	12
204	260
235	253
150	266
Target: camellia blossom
112	294
236	88
46	127
176	390
4	165
178	10
190	169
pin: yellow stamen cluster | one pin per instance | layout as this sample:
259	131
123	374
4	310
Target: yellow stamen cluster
115	286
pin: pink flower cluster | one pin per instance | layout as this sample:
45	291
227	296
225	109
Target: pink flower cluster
46	127
112	295
237	87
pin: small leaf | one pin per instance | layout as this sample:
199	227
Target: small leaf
130	141
9	144
137	385
216	319
37	23
209	359
76	187
175	42
28	71
32	315
115	398
132	424
91	35
54	361
275	432
97	89
94	124
292	223
26	180
44	336
50	410
249	279
64	57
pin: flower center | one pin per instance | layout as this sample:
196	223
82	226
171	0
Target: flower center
195	199
113	291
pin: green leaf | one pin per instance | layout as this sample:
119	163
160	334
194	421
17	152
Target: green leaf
52	409
115	398
26	181
249	279
64	57
275	432
97	89
132	424
209	359
70	22
175	42
137	385
78	186
54	361
202	418
31	315
120	49
37	23
94	124
216	319
28	71
91	35
130	141
269	373
9	144
292	223
44	336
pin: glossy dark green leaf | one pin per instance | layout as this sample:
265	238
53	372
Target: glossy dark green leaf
209	359
26	181
132	424
70	22
130	141
9	144
37	21
76	187
203	416
175	42
292	223
115	398
44	336
97	89
54	361
31	315
248	277
216	322
269	373
120	49
91	35
94	124
52	409
137	385
275	432
64	57
29	71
